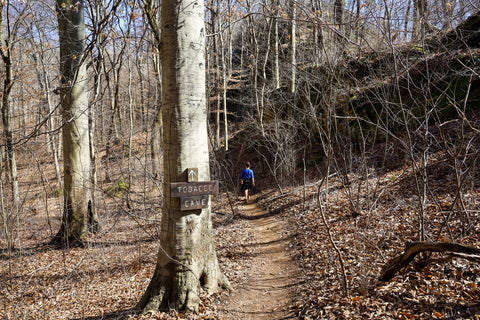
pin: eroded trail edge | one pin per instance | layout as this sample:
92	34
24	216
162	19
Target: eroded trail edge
267	291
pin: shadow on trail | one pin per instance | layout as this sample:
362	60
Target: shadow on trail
269	212
239	250
252	212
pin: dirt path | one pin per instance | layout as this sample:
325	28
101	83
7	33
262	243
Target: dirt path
267	292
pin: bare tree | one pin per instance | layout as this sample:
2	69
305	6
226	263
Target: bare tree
41	58
77	214
151	9
8	42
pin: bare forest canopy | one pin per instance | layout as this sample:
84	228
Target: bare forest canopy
361	120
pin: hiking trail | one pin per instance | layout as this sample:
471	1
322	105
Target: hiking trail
268	289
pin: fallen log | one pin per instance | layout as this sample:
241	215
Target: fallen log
413	248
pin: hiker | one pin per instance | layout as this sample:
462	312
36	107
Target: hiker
247	180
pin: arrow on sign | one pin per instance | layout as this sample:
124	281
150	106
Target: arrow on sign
192	175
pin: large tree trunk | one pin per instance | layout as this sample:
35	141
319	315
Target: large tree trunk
77	214
187	256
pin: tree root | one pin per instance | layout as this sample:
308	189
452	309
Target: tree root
413	248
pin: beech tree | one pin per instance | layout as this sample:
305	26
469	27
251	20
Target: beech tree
187	256
77	211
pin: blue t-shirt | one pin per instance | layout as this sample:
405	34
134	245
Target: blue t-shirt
247	174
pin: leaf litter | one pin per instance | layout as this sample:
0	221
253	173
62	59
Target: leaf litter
105	279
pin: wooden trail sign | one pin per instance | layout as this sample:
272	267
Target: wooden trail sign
186	189
193	203
193	194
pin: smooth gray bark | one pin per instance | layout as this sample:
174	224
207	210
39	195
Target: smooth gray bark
77	212
187	256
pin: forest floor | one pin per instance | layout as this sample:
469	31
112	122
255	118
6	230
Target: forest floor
105	279
283	252
275	252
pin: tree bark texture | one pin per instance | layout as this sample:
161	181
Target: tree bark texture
74	102
187	256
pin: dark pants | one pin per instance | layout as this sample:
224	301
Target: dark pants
247	184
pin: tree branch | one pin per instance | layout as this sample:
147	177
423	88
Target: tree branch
413	248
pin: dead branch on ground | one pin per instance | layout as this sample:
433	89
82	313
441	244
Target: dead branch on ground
413	248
